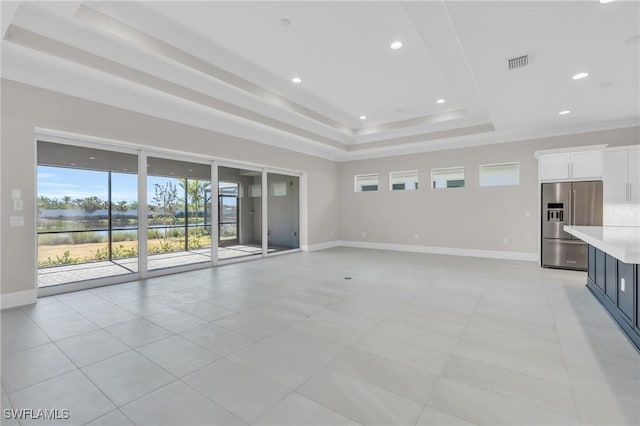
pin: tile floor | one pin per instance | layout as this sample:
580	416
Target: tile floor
410	339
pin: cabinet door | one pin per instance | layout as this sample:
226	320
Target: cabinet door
591	264
625	292
611	276
587	164
634	174
600	269
554	167
614	177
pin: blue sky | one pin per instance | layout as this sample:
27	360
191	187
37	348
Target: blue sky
57	182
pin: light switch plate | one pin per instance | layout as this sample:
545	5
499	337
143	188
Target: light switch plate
16	194
17	220
18	204
622	284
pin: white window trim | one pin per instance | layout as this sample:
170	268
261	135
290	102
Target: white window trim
355	181
464	171
508	163
403	171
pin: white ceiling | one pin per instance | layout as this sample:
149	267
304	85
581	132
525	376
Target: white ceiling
227	66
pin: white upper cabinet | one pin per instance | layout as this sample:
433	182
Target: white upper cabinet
579	165
586	164
615	188
622	175
554	166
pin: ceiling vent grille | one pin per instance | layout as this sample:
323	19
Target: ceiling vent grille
518	62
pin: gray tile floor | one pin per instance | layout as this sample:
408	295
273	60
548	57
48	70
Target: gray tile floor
410	339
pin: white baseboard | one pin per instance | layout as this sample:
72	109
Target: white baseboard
452	251
322	246
18	298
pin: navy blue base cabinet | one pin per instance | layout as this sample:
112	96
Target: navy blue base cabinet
615	284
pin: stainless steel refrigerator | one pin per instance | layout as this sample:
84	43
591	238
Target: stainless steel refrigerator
568	203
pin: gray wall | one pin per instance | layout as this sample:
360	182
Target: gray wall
467	218
24	107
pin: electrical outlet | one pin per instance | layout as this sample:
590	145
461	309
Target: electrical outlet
364	234
415	236
17	220
622	284
331	234
527	213
505	240
18	204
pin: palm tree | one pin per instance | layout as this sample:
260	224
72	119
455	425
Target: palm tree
68	203
121	206
195	190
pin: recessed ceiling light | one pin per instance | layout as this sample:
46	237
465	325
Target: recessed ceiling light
564	112
606	1
171	173
124	170
92	158
72	164
396	45
440	101
580	76
296	80
190	170
363	117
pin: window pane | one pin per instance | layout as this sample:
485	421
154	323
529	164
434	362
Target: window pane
280	189
366	183
404	181
178	197
447	178
87	213
283	213
239	213
71	199
500	174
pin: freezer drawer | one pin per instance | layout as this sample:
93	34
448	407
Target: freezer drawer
566	254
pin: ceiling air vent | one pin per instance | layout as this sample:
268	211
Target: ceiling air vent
518	62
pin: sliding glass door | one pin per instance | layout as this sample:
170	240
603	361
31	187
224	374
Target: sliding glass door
87	214
178	196
91	226
283	212
239	213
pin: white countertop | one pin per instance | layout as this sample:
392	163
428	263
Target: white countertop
621	242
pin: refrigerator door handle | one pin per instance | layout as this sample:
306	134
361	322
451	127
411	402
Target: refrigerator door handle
573	207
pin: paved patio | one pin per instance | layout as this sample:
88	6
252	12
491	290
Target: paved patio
94	270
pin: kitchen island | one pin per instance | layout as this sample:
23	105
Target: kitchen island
612	272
